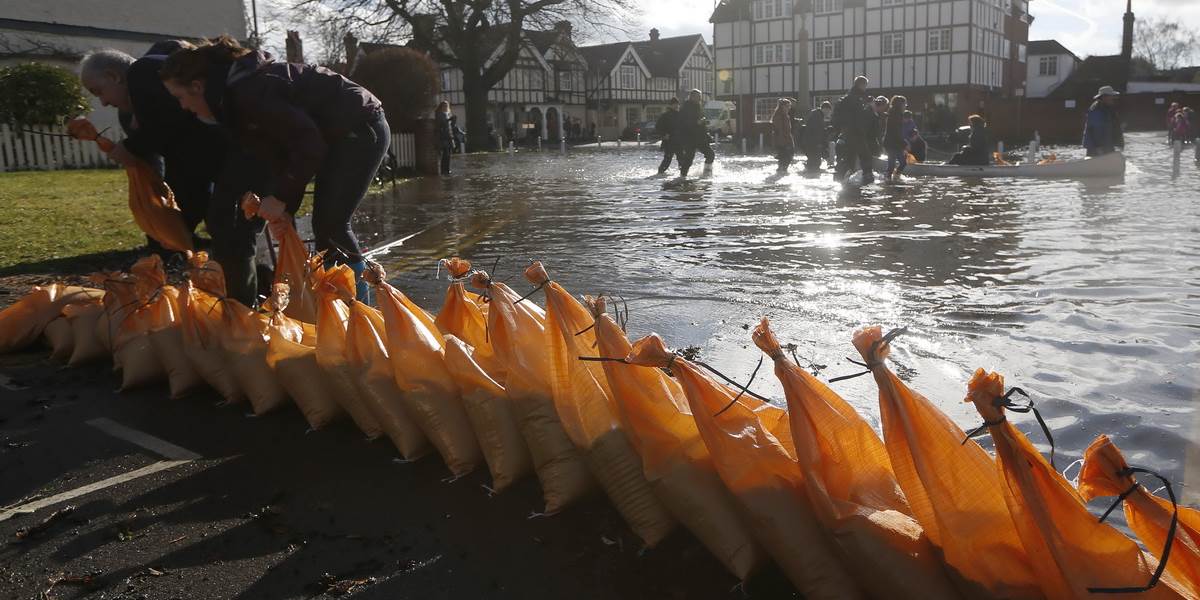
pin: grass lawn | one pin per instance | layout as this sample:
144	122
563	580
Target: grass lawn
57	215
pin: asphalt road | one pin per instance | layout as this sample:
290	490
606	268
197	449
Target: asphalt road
265	510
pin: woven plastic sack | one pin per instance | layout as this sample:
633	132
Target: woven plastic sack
415	348
61	338
491	415
201	320
22	323
1105	473
243	336
334	288
88	345
125	296
655	414
150	199
367	353
166	337
1071	551
517	333
291	263
585	407
750	444
849	482
952	487
466	319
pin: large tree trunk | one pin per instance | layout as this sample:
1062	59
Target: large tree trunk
476	94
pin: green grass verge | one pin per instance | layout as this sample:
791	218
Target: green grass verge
56	215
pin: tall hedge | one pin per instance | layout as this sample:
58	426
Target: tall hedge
406	81
39	94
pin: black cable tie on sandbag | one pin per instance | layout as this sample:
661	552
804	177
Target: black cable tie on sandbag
1006	402
1166	553
603	359
745	388
730	381
875	346
532	292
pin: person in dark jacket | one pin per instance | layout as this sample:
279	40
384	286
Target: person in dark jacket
894	142
666	125
444	125
1102	131
852	117
816	139
692	131
977	150
781	134
304	121
187	153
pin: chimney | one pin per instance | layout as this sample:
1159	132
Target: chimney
350	43
295	48
654	35
1127	44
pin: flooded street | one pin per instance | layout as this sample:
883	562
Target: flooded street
1085	295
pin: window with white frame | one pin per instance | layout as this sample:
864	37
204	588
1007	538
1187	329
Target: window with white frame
726	79
629	75
764	108
939	40
892	2
828	49
445	80
772	54
827	6
1048	66
565	82
892	44
1021	51
772	9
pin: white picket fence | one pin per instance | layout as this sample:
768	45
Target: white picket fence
32	151
404	147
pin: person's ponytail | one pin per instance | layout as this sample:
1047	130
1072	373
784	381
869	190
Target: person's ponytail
193	64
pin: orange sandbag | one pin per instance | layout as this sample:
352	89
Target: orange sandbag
243	336
22	323
291	263
517	334
1105	473
201	319
416	350
166	336
656	416
491	415
88	345
850	484
125	296
150	199
1072	553
291	353
367	353
751	446
585	407
334	288
61	338
464	318
952	487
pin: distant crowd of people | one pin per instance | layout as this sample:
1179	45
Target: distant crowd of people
1182	123
684	132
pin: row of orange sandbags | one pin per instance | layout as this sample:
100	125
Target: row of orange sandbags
916	514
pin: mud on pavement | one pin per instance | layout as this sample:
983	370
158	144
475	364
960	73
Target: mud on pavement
191	500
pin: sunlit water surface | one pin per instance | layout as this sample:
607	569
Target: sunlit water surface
1087	295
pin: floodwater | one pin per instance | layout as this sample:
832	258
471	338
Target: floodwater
1086	295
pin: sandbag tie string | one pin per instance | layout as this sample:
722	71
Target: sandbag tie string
745	388
1006	402
531	292
875	346
1166	553
604	359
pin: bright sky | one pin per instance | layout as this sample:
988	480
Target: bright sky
1084	26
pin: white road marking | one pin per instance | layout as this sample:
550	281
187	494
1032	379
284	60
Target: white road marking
175	456
36	505
158	446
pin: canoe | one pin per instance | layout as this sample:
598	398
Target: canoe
1109	165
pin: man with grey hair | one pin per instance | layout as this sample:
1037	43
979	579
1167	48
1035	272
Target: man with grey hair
189	154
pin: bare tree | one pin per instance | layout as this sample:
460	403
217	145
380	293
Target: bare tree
464	34
1165	44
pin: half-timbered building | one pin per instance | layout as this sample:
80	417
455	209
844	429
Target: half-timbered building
945	55
630	83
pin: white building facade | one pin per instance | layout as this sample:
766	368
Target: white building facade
1049	64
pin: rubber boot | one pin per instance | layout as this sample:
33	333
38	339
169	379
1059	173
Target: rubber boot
362	291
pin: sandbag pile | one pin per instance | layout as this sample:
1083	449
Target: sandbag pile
918	510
